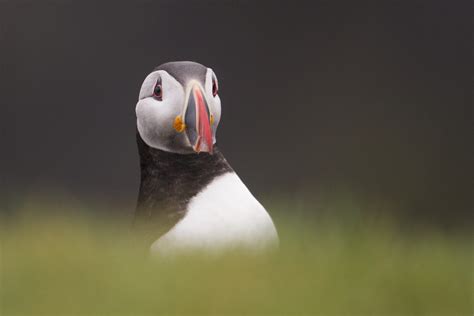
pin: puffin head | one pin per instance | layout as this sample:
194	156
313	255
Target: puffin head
178	108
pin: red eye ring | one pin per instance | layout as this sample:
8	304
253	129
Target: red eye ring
158	91
214	87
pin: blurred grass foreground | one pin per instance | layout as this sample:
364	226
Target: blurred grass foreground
65	264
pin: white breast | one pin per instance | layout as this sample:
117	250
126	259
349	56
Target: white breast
224	215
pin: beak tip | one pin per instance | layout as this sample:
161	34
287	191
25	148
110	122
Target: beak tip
205	146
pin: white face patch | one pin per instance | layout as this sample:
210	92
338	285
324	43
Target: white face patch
214	101
223	216
156	118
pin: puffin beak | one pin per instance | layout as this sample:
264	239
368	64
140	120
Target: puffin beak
197	120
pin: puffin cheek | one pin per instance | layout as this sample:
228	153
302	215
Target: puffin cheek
214	130
215	125
216	111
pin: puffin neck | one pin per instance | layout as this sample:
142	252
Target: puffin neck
170	180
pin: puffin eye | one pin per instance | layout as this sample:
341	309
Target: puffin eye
214	87
158	91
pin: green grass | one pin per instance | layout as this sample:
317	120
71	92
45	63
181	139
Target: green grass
71	265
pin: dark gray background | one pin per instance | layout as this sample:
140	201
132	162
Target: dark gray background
367	98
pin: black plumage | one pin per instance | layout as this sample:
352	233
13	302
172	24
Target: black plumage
184	70
169	181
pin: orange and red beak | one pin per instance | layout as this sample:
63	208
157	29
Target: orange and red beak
198	121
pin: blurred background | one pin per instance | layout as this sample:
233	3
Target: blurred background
350	120
365	99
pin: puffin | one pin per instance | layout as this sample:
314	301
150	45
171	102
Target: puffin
190	198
